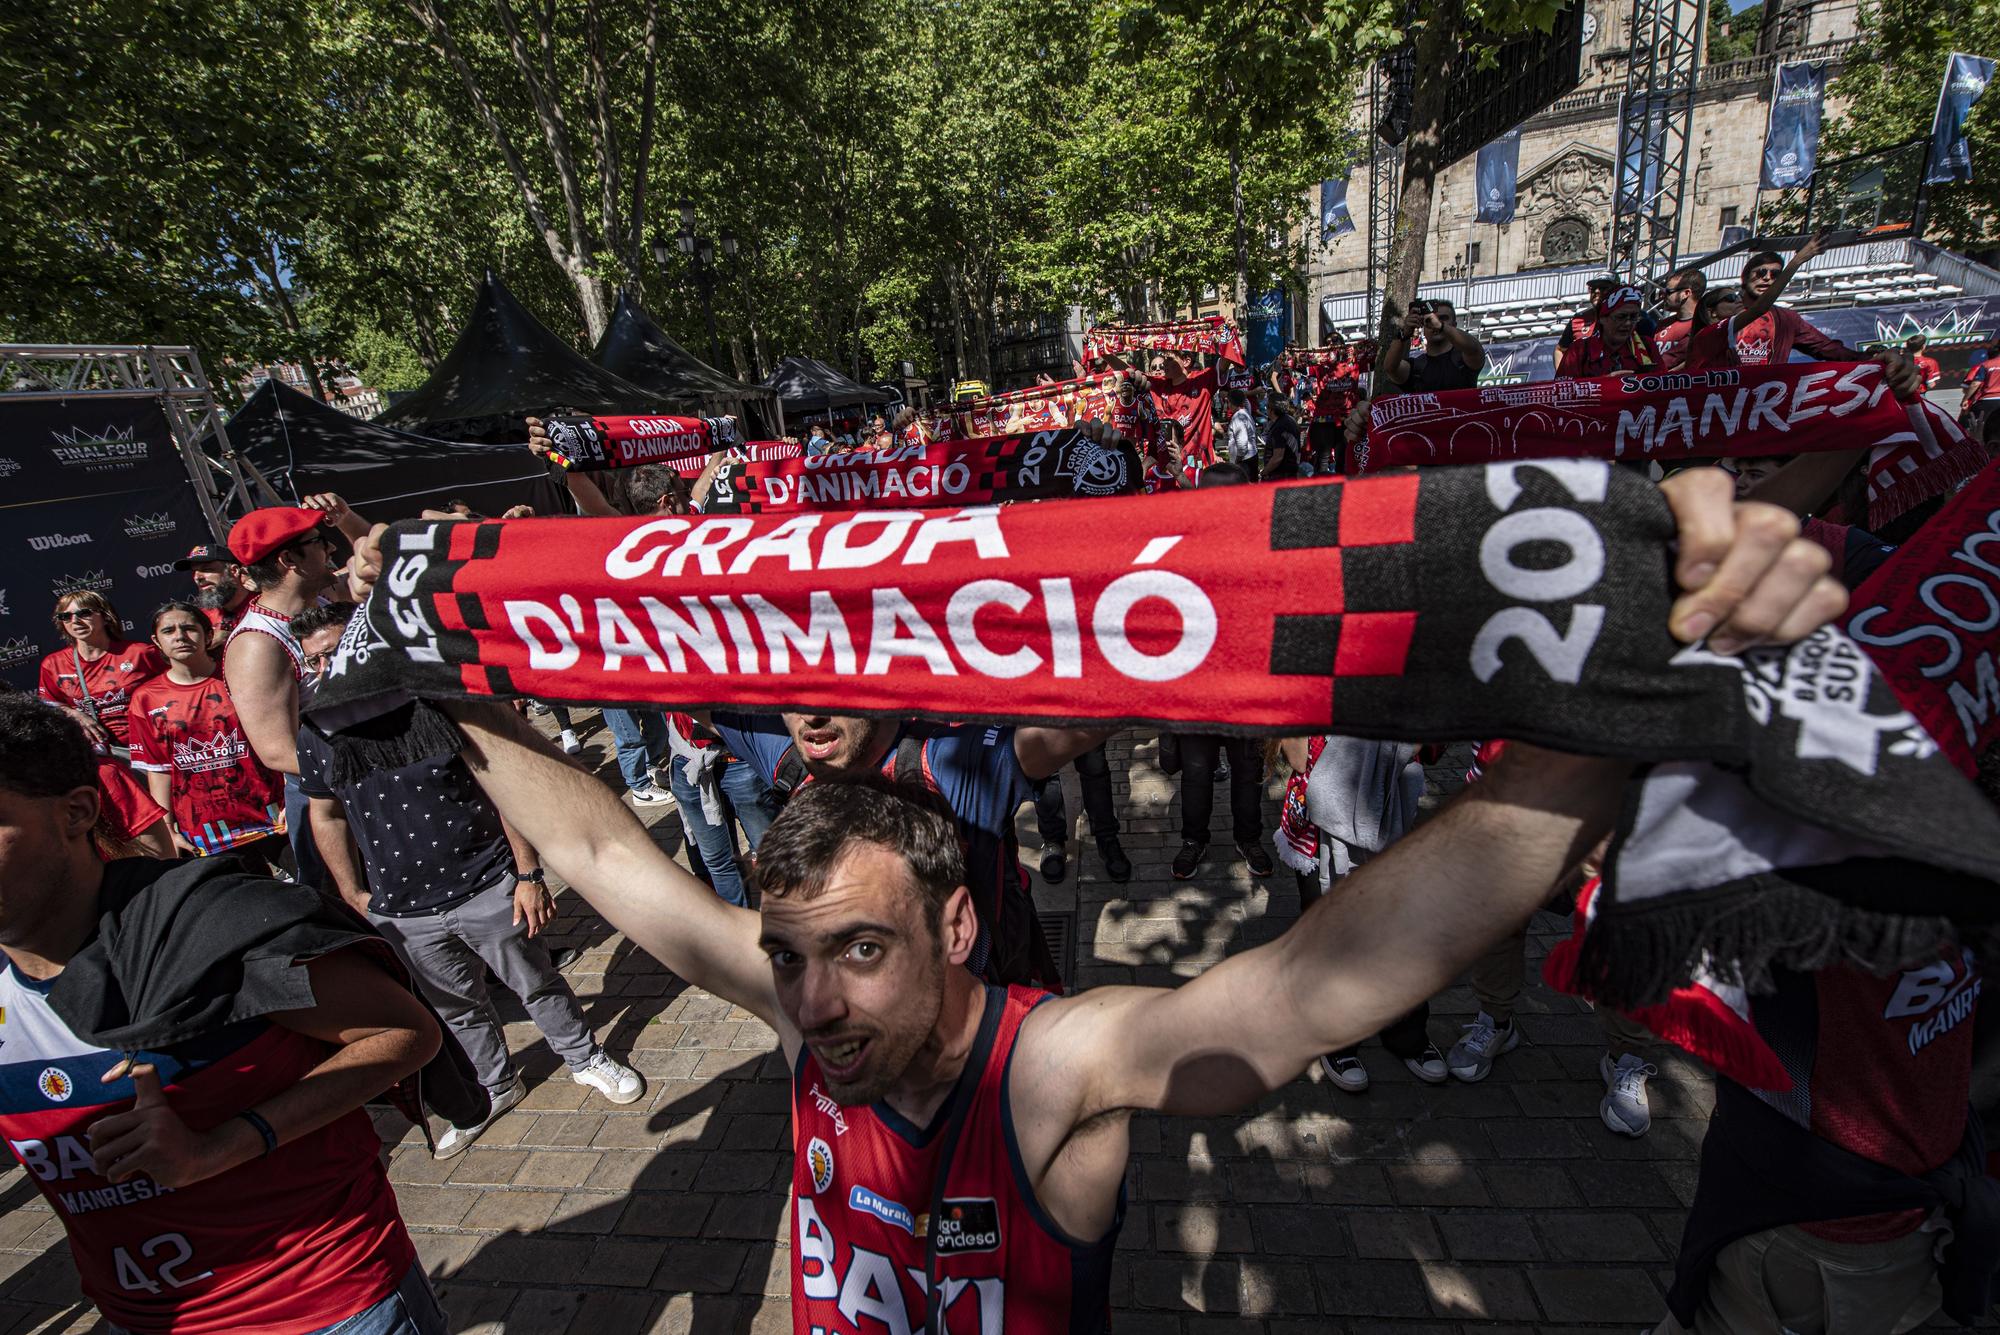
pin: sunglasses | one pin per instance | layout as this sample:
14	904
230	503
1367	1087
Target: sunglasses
1764	273
76	616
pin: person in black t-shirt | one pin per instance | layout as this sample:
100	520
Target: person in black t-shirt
1450	358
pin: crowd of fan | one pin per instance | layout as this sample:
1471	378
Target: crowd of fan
189	730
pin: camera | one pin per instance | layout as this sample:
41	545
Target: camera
1420	307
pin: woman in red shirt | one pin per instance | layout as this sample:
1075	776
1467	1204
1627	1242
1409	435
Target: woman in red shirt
188	741
92	679
1614	346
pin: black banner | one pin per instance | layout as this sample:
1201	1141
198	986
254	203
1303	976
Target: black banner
96	497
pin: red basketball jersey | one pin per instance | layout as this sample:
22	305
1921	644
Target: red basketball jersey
300	1239
861	1190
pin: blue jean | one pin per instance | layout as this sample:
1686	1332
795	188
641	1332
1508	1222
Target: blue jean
298	829
412	1309
754	802
641	738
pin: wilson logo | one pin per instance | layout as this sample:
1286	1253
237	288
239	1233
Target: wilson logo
49	541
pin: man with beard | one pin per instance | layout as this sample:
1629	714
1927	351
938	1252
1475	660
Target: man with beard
983	776
220	588
964	1147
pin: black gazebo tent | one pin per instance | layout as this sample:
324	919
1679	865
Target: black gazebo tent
505	366
303	446
808	387
637	349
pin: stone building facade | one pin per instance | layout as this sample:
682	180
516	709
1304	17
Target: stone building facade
1568	156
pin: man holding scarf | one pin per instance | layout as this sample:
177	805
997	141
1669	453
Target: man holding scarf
858	959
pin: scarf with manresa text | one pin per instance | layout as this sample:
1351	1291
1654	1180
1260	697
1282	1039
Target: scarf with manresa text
1675	416
684	444
1526	601
1211	335
1038	466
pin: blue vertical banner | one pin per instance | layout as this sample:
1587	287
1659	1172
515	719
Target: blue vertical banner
1965	80
1642	144
1264	331
1791	135
1334	219
1495	174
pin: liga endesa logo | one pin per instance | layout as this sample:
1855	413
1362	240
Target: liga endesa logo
18	650
111	450
149	526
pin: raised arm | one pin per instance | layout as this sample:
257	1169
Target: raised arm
1404	925
594	842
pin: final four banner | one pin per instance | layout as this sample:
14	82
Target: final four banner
1965	80
1040	466
97	497
1791	135
1334	219
1494	174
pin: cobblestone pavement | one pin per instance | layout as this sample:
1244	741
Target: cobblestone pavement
1412	1210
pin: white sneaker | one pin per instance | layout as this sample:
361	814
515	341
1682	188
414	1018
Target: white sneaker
646	795
457	1139
1345	1072
620	1084
1485	1038
1428	1065
570	744
1625	1108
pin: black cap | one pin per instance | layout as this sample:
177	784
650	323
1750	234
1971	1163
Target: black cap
202	553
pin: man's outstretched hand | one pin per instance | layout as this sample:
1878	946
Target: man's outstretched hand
1746	576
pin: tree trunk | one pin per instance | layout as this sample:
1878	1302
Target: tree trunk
1242	245
1431	94
575	266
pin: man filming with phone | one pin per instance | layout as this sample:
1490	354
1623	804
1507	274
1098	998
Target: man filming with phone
1450	358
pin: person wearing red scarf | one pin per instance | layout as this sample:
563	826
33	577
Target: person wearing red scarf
1614	346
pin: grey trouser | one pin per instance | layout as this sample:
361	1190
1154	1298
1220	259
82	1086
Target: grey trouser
444	951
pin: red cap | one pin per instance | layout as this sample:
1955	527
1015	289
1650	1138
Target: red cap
261	532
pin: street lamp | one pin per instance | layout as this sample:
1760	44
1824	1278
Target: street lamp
699	252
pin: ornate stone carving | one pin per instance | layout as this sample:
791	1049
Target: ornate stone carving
1565	200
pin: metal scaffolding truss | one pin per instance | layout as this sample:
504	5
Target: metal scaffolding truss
1384	176
1655	125
224	483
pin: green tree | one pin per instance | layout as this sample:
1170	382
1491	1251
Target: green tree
1888	91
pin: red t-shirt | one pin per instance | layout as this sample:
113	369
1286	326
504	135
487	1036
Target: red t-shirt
1928	367
109	680
1672	341
1592	356
222	794
861	1187
1880	1066
300	1239
1192	404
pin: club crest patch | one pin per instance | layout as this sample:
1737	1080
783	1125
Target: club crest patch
819	1158
55	1084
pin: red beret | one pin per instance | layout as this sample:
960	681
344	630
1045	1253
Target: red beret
261	532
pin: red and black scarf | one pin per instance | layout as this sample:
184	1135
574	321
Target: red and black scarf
1211	335
1523	601
1040	466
